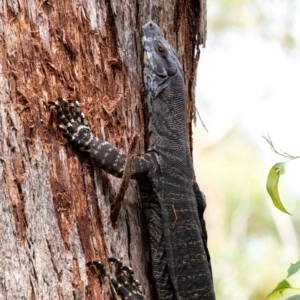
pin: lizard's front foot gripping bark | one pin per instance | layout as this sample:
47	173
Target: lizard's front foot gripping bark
75	126
124	283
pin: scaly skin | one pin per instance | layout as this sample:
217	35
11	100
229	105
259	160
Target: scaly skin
171	199
124	283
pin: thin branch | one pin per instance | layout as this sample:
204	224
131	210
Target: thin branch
197	111
117	203
279	152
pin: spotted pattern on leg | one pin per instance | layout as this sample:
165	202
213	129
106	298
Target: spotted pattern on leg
123	281
75	128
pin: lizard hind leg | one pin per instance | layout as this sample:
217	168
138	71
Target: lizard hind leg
123	281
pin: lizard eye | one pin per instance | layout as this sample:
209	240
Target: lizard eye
160	49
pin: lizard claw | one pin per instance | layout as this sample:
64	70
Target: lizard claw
53	103
99	266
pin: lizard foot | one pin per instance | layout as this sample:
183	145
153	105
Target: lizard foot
75	125
124	283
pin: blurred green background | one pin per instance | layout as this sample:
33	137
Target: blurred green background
248	85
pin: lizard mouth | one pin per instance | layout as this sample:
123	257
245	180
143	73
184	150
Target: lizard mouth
149	66
163	76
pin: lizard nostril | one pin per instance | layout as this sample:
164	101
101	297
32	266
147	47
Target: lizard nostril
151	25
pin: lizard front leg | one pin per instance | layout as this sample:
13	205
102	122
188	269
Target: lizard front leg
109	158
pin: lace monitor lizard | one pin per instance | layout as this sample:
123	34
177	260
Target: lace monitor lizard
171	199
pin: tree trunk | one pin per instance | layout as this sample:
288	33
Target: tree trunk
55	204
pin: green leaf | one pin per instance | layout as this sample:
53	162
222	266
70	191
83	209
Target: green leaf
295	297
280	288
294	268
272	185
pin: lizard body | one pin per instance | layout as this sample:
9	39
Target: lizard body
171	199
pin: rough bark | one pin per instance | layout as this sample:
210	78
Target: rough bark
55	205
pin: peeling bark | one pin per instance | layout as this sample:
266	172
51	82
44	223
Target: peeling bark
55	205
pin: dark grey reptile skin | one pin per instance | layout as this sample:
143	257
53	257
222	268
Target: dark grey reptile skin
172	201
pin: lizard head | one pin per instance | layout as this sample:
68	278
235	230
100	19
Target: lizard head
160	59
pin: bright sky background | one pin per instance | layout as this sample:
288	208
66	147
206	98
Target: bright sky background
251	83
246	80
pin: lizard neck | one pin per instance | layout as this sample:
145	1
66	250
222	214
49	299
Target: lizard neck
167	124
